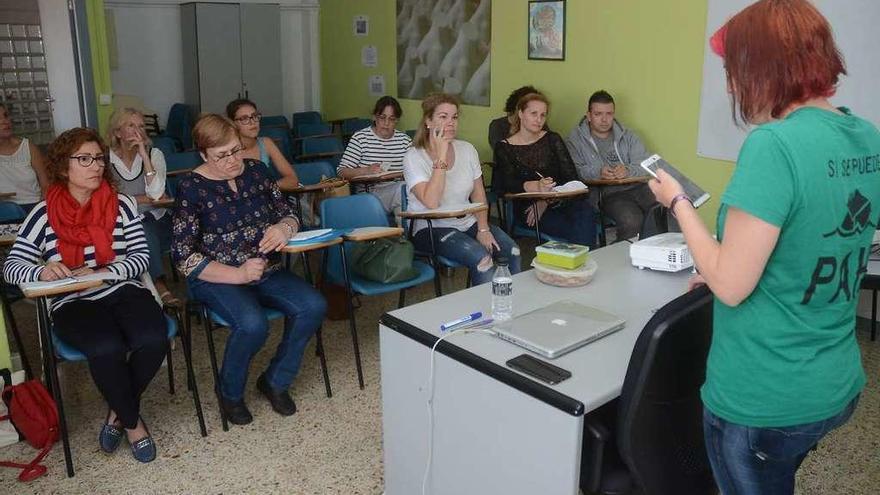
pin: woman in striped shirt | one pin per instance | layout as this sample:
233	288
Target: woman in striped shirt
85	226
378	148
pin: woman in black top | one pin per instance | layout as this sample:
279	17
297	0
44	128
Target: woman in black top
533	159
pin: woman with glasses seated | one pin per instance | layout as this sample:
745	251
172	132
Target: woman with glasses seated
378	148
254	147
86	226
139	171
230	223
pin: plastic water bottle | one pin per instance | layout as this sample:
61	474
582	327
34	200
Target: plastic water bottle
502	294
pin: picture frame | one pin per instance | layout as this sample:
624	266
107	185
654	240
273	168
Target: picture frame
546	30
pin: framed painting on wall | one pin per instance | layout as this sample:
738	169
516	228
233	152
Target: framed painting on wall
547	30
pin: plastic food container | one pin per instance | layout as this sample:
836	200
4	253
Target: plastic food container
562	277
562	254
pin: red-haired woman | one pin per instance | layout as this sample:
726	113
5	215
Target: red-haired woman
794	232
86	226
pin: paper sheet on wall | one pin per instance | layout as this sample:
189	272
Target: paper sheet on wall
361	25
377	85
369	56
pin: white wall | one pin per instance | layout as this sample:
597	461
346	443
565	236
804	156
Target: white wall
60	67
148	43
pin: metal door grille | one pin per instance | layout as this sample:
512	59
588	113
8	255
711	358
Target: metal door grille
24	85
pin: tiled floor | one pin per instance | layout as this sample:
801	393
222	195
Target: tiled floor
331	445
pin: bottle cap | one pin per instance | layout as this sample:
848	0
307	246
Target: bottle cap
502	260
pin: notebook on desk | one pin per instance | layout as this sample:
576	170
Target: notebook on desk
560	328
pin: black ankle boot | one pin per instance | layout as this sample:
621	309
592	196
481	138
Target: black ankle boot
236	411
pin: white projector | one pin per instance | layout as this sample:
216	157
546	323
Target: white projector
665	252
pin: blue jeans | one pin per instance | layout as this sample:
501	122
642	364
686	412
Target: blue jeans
573	220
158	234
463	248
762	461
242	306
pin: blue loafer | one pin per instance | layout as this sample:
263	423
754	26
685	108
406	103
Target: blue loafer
109	437
144	450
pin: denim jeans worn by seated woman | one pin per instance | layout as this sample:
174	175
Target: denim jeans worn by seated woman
242	306
762	461
463	247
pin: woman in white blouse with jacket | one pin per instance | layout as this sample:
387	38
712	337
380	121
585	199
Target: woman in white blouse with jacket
139	171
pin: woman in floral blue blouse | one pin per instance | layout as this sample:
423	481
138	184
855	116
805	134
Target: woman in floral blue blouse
230	223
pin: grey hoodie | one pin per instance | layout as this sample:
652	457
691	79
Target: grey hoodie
589	162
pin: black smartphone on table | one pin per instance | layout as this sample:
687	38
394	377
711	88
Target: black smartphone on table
539	369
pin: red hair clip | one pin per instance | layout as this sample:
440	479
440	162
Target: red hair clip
717	41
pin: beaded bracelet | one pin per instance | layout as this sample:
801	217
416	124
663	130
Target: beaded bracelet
676	199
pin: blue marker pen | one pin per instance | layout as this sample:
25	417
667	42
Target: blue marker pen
449	325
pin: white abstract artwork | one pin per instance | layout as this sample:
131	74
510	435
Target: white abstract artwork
443	45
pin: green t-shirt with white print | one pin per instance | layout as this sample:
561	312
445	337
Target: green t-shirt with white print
787	355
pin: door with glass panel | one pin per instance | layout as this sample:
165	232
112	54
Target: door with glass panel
24	82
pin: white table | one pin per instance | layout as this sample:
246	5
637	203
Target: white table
495	429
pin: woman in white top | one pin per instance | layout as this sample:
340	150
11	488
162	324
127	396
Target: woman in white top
378	148
442	171
246	117
139	171
22	166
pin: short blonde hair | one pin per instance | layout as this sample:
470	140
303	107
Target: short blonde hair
213	130
118	119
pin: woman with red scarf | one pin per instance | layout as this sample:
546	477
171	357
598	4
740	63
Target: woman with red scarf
85	226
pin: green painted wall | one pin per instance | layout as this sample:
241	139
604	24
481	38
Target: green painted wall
5	360
100	59
648	54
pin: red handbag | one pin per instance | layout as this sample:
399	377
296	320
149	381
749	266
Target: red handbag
34	415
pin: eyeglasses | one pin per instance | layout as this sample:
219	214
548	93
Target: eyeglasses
229	154
247	119
87	160
387	118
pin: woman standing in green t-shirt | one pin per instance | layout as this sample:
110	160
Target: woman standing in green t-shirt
794	234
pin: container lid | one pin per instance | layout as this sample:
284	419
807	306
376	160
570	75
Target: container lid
586	269
562	249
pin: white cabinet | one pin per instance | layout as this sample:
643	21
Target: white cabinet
231	51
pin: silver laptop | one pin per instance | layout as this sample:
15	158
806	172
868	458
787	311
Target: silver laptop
559	328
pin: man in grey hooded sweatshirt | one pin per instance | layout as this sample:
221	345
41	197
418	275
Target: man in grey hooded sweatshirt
602	148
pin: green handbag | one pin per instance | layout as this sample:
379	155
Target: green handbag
384	260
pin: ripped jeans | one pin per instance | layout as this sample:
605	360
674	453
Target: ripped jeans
463	247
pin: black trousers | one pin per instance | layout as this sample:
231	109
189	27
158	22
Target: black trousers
125	338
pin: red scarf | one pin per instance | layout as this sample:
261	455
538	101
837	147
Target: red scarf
78	226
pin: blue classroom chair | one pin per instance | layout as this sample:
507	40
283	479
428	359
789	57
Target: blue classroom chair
179	126
433	258
281	138
306	118
60	351
361	210
165	144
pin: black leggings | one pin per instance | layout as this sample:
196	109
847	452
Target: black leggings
125	338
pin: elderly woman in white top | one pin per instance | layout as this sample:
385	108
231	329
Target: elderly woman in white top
139	170
22	166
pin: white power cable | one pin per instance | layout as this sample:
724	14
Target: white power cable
430	402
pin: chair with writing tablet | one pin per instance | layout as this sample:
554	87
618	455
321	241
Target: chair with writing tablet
353	212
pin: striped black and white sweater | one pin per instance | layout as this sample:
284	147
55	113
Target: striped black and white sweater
35	245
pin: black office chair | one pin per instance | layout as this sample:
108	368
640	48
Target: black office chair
657	444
